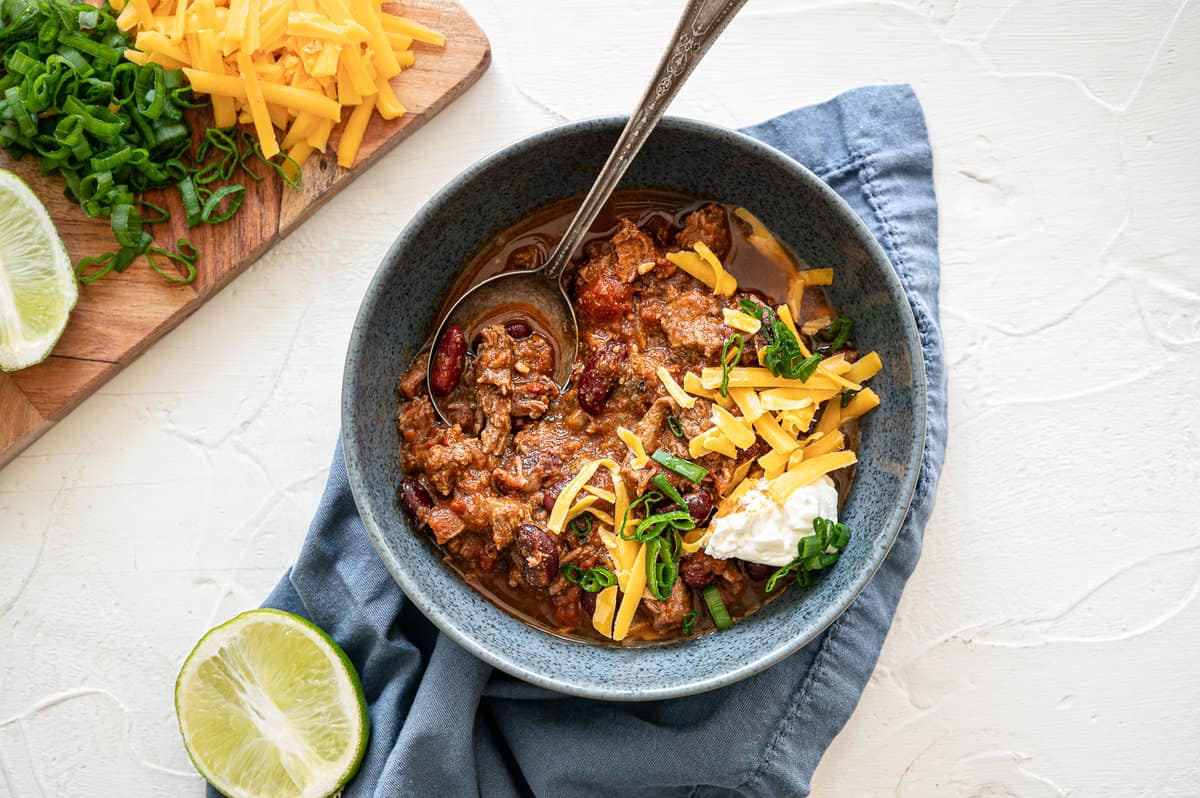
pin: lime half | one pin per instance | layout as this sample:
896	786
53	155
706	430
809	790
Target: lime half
37	283
270	707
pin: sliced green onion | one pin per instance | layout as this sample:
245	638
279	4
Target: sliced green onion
103	265
647	498
191	202
593	580
211	212
751	308
717	608
808	366
189	265
676	426
581	525
597	579
839	331
661	482
813	552
848	395
654	525
688	620
684	468
662	570
727	363
163	213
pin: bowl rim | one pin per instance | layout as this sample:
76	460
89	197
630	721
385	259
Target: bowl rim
429	606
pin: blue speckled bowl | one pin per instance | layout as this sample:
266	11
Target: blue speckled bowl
685	156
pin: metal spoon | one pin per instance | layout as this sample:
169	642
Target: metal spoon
538	295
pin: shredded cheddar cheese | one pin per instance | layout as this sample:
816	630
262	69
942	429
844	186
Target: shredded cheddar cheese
734	427
817	276
601	493
808	472
702	264
724	284
768	427
867	367
636	447
288	67
740	320
864	401
826	444
674	389
761	239
749	402
692	384
606	606
714	440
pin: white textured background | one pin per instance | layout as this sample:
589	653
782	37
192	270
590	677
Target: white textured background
1047	644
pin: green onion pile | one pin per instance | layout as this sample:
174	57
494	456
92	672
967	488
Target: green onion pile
782	354
113	130
814	553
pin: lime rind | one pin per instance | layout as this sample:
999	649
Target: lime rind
246	722
37	282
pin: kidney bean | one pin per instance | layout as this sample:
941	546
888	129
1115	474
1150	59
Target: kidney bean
758	571
700	506
550	494
414	495
593	391
448	361
518	329
588	602
599	376
536	555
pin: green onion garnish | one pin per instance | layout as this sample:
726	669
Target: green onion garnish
716	608
593	580
727	363
648	498
581	525
112	129
684	468
782	354
662	568
655	525
807	367
813	552
661	482
839	332
847	395
751	308
597	579
676	426
688	620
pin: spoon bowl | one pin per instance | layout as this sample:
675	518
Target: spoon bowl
528	296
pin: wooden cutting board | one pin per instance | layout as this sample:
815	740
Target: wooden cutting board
120	315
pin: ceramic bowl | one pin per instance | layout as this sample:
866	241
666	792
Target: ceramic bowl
397	315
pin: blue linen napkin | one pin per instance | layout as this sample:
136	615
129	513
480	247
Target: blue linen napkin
445	723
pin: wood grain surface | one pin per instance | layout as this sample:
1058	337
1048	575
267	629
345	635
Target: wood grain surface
120	315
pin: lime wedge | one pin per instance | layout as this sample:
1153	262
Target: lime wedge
270	707
37	283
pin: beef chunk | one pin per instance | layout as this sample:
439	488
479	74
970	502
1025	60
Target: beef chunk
693	321
670	611
708	224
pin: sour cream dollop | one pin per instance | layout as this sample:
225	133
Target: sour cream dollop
761	530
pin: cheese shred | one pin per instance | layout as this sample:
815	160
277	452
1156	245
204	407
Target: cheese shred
277	64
